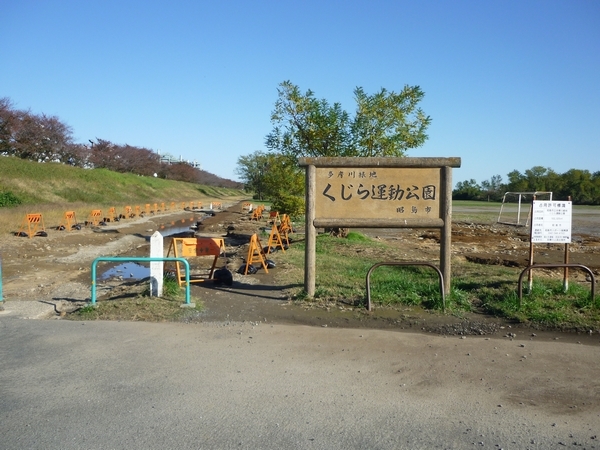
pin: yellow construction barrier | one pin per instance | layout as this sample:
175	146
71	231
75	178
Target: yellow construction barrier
194	247
34	223
285	228
275	240
95	217
112	215
128	213
274	217
69	222
255	254
216	205
257	213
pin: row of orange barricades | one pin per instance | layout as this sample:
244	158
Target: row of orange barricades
281	227
205	251
215	247
33	224
278	240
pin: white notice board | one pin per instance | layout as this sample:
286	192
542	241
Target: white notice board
551	222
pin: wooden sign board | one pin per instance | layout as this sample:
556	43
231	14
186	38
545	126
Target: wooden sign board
377	193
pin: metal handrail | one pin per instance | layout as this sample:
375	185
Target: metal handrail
555	266
141	259
405	263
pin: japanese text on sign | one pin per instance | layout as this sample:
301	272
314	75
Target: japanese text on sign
378	193
551	222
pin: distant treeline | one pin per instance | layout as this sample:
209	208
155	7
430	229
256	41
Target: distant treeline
42	138
581	185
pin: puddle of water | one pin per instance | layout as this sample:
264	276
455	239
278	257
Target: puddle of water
128	270
182	226
136	271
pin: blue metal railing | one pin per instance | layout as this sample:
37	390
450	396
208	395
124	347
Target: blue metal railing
141	259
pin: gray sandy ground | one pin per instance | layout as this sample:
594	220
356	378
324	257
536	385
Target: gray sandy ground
98	385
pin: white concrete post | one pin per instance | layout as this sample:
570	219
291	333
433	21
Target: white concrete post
156	267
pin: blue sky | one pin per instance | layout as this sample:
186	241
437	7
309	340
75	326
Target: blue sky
508	84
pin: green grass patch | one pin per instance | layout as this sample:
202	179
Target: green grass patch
342	265
7	198
547	304
141	306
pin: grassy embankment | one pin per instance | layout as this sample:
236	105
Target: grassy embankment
51	189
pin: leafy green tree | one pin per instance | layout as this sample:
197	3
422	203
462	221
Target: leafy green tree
517	182
537	178
251	169
492	188
582	186
596	188
306	126
579	185
270	175
385	124
282	176
467	190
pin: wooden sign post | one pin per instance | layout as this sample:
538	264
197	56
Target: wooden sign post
378	193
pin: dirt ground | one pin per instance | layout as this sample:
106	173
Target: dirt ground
56	269
507	387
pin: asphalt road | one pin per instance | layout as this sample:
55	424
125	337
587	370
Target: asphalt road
115	385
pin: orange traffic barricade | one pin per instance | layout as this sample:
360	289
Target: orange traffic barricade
257	213
34	224
285	228
196	247
275	241
274	217
95	217
69	222
255	254
111	215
